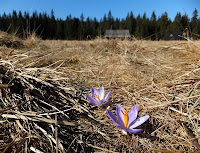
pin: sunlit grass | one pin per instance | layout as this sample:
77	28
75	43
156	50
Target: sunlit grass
161	77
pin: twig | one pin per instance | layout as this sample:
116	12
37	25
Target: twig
5	85
35	150
56	132
38	119
168	103
106	150
4	110
172	108
163	151
12	141
71	144
49	136
54	108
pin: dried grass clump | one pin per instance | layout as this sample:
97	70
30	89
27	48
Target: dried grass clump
31	40
10	40
52	77
40	115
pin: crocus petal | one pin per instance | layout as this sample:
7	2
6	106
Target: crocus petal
121	127
101	93
94	91
94	103
102	101
132	114
139	121
108	95
92	100
120	116
112	117
134	130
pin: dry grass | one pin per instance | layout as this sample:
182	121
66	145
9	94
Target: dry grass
161	77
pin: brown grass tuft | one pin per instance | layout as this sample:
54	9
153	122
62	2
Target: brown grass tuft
31	40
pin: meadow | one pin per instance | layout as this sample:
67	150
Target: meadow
43	85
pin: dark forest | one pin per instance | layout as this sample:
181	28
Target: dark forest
141	27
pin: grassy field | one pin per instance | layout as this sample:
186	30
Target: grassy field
161	77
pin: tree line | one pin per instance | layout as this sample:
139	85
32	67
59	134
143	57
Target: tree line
48	27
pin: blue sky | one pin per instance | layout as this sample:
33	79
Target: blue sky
95	8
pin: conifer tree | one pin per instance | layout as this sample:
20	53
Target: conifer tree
194	24
14	25
82	27
163	25
185	21
144	26
105	25
20	24
132	23
138	31
176	25
52	26
110	20
153	27
60	30
45	25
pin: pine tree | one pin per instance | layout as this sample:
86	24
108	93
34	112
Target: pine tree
14	26
176	25
52	26
4	22
132	23
40	27
59	30
27	25
45	25
185	21
82	27
88	30
163	25
95	28
104	25
75	29
153	27
110	20
138	33
144	26
68	28
194	24
20	24
118	24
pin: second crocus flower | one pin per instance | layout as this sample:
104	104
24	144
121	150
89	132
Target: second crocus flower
97	98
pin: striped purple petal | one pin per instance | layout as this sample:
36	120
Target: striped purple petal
120	116
132	115
108	95
139	121
101	93
92	100
93	91
112	116
134	130
114	119
102	101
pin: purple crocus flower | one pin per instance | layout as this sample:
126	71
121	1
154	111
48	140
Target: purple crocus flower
126	120
97	97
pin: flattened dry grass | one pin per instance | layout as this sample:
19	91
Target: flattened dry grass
161	77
